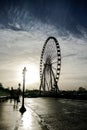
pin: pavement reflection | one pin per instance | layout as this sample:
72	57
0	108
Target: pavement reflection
11	118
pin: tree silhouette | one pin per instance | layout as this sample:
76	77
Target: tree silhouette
81	89
1	86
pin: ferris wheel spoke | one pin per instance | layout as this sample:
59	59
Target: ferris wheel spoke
54	62
47	54
54	57
50	63
54	68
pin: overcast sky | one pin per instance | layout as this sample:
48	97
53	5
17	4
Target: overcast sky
24	27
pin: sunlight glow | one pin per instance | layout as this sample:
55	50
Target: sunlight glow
27	120
32	74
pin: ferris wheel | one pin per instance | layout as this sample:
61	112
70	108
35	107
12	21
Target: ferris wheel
50	65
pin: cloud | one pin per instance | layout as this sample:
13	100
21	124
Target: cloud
66	17
25	27
69	55
24	47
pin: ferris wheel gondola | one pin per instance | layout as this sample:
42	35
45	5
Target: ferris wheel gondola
50	65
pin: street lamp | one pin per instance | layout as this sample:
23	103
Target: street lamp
23	109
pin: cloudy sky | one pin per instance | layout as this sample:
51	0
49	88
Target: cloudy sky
24	27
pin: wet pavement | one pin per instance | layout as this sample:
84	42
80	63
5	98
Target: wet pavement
12	119
44	114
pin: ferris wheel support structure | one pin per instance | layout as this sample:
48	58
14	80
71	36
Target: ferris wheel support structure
50	65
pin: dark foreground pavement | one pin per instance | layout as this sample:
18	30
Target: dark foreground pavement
11	118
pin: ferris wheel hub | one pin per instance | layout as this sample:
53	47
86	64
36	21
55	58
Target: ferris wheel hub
50	65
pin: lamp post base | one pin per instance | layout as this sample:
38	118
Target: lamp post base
22	109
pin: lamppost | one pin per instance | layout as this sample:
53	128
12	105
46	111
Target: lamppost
23	109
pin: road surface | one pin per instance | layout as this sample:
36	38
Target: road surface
11	118
44	114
